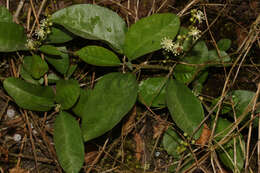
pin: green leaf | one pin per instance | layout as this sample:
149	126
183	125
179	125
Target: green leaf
67	93
71	70
58	36
224	126
198	83
53	78
51	50
187	44
93	22
152	91
186	110
213	56
35	65
111	99
224	44
12	37
68	143
60	64
99	56
28	78
5	15
78	109
171	141
29	96
197	55
146	34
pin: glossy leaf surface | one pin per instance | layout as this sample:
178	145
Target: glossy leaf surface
67	93
68	143
12	37
146	34
98	56
35	65
152	91
110	100
186	110
5	15
93	22
29	96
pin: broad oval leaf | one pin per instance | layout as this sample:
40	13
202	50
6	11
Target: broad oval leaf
35	65
29	96
60	63
68	143
146	34
224	44
12	37
5	15
28	78
171	141
111	99
213	56
67	93
58	36
78	109
186	110
152	91
93	22
227	157
99	56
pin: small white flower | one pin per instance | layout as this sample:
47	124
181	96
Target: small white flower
177	49
31	44
17	137
41	33
194	32
199	16
10	113
167	44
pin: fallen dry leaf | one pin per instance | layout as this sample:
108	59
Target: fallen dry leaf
205	135
139	146
158	130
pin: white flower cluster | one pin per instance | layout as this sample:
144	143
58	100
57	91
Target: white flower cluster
175	47
197	15
41	34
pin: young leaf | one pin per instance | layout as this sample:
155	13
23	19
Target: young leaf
67	93
171	141
146	34
213	56
68	143
5	15
60	64
152	91
112	98
35	65
12	37
58	36
99	56
93	22
78	109
224	44
186	110
29	96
